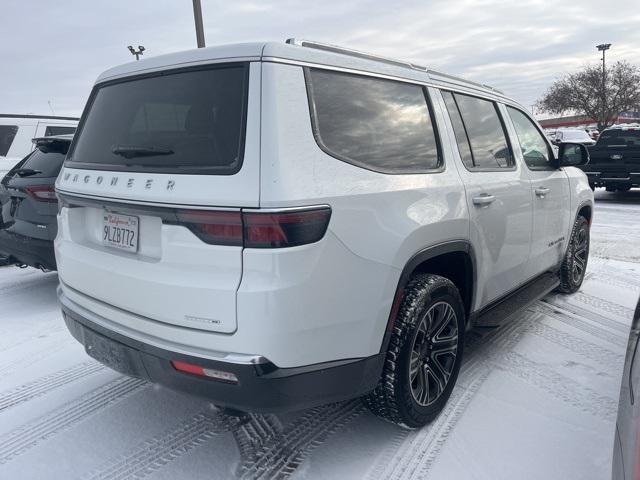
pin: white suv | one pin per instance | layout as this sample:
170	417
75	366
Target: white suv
277	226
17	131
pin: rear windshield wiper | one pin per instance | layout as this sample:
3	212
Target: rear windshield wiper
131	151
26	172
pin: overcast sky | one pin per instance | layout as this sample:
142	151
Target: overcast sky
52	51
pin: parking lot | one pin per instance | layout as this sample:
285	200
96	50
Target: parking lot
536	398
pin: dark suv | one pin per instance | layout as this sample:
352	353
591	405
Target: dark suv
28	205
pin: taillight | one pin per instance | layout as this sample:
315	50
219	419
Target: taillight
42	193
214	227
285	229
255	229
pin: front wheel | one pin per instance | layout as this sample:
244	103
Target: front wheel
424	355
574	265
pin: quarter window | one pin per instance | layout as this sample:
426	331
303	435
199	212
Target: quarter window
535	149
377	124
7	134
485	134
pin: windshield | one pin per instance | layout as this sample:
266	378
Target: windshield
187	121
620	138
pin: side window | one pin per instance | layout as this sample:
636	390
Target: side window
487	137
535	149
458	130
7	134
52	130
381	125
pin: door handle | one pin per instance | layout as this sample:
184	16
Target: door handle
483	199
542	191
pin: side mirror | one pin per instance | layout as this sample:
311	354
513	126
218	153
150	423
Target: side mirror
572	155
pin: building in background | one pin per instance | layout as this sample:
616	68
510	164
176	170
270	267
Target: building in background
584	121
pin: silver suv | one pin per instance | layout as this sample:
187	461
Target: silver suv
277	226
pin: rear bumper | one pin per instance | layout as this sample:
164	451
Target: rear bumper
262	387
26	250
604	178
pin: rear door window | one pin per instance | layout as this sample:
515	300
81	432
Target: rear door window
7	134
188	121
381	125
483	129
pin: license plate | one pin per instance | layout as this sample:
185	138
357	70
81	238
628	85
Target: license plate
120	231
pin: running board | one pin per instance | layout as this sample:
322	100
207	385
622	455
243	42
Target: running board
497	313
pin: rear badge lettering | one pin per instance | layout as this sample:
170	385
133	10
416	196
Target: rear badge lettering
113	182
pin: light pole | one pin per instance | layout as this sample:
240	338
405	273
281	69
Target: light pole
603	47
197	16
135	52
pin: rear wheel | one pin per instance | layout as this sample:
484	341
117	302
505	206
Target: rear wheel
574	265
424	355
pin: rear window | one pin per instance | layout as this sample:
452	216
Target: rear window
179	121
7	134
377	124
52	131
49	164
619	138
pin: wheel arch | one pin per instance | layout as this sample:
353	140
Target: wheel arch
454	260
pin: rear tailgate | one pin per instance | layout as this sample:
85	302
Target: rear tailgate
169	271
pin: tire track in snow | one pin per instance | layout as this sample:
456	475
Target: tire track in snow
34	280
43	385
593	316
557	385
420	448
51	346
27	436
254	433
280	456
613	361
156	452
573	320
615	280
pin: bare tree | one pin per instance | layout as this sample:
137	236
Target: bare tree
581	92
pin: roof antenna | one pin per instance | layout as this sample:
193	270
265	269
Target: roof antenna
51	107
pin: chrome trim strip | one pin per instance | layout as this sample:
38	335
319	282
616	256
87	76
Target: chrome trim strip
616	179
461	87
286	209
100	198
229	357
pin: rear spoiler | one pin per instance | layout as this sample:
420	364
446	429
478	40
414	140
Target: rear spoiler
57	143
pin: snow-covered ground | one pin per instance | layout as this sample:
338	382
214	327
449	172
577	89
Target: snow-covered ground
535	399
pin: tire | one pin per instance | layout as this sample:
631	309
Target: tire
574	265
426	348
624	188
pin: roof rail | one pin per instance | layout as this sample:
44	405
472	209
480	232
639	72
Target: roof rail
353	53
48	117
463	80
391	61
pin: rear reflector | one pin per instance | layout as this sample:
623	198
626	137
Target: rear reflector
204	372
42	193
255	229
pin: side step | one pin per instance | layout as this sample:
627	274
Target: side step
495	314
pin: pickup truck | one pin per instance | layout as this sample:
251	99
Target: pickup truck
615	159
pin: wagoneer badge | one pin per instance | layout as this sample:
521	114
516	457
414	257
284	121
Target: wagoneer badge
114	180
